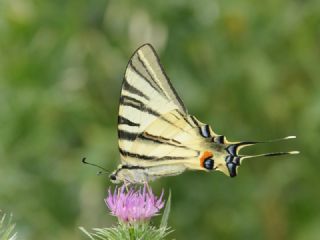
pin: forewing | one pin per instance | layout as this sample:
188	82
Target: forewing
146	95
147	63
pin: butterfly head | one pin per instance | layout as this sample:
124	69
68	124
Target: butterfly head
119	175
114	178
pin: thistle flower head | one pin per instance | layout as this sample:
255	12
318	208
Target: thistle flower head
133	205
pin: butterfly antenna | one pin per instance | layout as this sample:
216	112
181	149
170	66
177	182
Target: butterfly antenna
84	160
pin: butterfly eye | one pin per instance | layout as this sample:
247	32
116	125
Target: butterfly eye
208	164
113	177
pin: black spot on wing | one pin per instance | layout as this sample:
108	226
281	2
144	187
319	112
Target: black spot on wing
205	131
219	139
208	164
233	159
232	149
232	169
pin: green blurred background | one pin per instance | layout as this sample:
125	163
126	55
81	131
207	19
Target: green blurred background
248	68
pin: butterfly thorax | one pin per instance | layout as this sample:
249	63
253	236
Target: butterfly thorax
129	174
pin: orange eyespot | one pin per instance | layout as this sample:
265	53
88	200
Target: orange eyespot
204	156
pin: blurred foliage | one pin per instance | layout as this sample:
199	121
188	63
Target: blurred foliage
248	68
7	227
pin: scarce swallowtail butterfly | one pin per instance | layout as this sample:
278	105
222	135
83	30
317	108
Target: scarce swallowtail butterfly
157	136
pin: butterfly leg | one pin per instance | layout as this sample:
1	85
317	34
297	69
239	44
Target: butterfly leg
126	185
147	186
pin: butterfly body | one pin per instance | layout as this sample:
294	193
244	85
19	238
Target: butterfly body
157	136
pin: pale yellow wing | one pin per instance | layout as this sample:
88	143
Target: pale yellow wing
146	95
170	140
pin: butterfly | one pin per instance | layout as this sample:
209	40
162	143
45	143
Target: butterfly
157	136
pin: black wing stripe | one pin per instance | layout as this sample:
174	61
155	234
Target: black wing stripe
195	121
150	75
219	139
174	114
175	158
161	140
168	81
125	135
186	119
145	109
128	87
123	120
145	79
168	121
134	103
135	155
205	131
153	158
125	98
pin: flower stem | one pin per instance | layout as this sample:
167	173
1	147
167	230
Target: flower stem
131	233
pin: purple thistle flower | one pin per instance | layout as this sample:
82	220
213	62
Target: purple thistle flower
134	205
